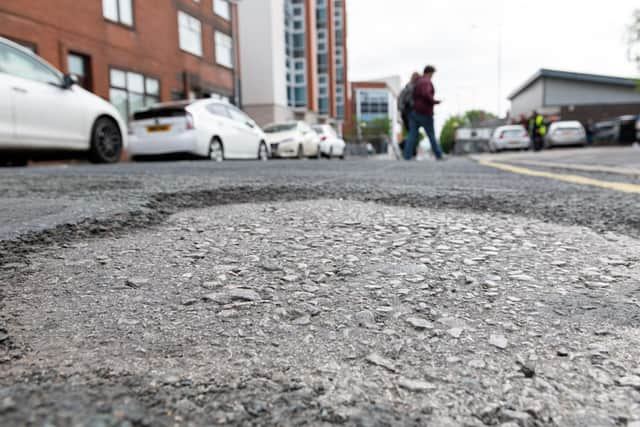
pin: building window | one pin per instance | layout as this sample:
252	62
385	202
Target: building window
80	66
190	33
120	11
222	8
224	49
130	92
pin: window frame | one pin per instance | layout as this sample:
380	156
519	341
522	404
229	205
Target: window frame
131	26
198	55
232	48
229	9
125	88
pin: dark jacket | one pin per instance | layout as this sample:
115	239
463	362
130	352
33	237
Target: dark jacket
423	97
405	99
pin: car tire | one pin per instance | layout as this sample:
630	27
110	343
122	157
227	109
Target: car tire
263	152
330	156
300	155
216	150
106	141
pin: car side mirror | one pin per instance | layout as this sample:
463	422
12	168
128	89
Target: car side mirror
69	80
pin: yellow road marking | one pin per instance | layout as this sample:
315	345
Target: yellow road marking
574	179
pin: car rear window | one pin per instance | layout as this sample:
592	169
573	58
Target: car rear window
513	132
160	112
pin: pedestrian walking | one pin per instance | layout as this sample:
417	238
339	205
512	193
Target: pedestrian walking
422	115
591	130
405	106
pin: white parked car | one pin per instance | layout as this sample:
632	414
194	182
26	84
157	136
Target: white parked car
513	137
293	139
207	128
566	133
44	113
331	145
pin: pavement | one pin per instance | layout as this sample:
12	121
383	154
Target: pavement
365	293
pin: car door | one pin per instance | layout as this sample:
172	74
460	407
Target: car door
221	125
45	114
247	140
7	134
310	139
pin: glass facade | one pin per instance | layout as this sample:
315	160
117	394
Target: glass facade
296	51
339	58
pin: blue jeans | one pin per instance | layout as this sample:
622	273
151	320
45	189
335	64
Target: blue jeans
416	121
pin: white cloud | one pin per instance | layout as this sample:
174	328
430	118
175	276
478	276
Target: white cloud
460	37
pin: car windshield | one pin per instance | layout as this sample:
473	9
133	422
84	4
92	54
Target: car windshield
282	127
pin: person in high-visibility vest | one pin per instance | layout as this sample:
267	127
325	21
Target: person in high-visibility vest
537	130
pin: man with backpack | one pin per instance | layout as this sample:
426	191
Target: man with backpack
422	115
405	106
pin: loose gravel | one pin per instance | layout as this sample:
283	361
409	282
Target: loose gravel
323	312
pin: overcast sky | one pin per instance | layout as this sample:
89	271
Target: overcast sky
461	38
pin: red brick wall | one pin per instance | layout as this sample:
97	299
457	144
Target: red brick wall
150	47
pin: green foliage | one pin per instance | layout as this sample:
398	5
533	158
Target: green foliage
448	134
372	130
475	116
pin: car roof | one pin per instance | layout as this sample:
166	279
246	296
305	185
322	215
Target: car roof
507	127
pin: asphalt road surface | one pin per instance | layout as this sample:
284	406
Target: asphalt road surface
358	292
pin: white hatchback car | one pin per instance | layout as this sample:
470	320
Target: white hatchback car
208	128
566	133
43	113
331	145
293	139
513	137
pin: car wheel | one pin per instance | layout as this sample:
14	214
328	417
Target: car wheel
319	153
263	153
330	153
216	151
106	141
300	152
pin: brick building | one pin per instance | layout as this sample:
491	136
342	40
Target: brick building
372	100
133	52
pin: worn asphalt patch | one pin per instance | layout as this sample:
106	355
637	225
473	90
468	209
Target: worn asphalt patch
326	312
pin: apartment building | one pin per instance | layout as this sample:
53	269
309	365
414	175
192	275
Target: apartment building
133	52
294	58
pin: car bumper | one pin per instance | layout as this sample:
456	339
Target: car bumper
287	149
186	142
567	141
513	145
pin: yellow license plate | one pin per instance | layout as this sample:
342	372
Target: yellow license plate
159	128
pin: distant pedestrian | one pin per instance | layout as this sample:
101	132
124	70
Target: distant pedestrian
591	130
422	115
405	106
537	130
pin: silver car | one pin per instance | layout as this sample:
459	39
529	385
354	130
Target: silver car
514	137
566	133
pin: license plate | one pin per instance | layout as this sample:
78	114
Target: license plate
159	128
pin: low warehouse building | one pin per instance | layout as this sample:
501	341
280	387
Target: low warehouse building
576	96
